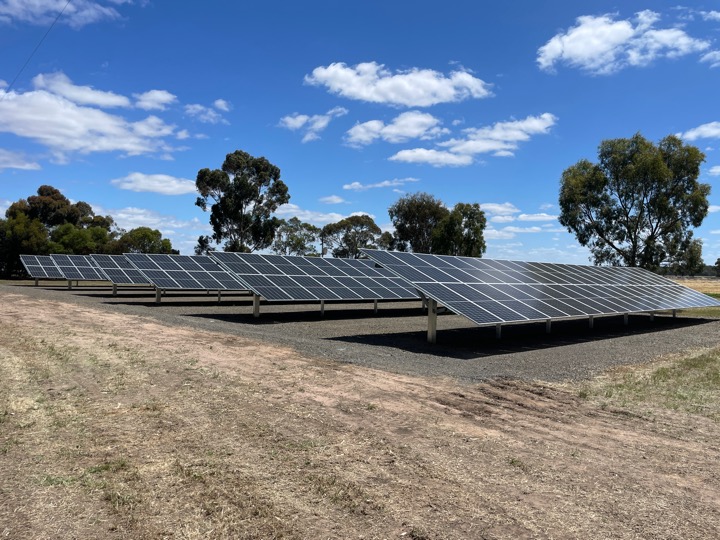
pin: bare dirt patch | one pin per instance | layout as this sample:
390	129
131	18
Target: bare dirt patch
120	426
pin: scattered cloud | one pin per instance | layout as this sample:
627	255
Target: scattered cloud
602	45
710	15
436	158
154	100
290	210
76	14
710	130
222	105
132	217
372	82
501	139
155	183
332	199
396	182
4	205
14	160
500	209
60	84
65	126
542	216
494	234
406	126
206	115
311	125
547	206
713	208
712	58
714	171
513	229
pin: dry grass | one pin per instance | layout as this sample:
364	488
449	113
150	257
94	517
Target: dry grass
114	426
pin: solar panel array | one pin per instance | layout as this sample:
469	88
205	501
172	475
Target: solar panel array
41	267
493	291
119	270
198	272
78	267
294	278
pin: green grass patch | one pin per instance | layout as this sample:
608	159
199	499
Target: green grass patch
689	384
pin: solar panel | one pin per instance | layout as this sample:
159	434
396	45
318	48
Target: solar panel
41	267
77	267
193	272
119	270
488	291
294	278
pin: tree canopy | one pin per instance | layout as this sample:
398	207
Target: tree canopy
635	207
293	237
460	232
244	194
346	237
414	218
49	223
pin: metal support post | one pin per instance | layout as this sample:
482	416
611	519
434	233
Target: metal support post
652	316
219	295
591	321
548	326
114	289
375	307
674	313
36	281
256	306
322	308
158	295
432	320
69	285
498	331
625	318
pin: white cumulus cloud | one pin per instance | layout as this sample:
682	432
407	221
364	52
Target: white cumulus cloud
15	160
542	216
332	199
710	130
311	125
372	82
396	182
154	100
602	45
436	158
714	171
155	183
406	126
60	84
76	14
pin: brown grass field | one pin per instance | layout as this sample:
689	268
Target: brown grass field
118	426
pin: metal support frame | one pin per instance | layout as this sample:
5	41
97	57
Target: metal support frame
37	281
498	331
114	289
548	326
256	305
674	313
219	295
69	285
322	308
591	321
432	320
375	307
158	295
626	318
652	316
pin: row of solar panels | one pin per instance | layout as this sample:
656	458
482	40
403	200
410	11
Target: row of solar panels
310	279
485	291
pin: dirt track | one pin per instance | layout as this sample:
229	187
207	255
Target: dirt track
117	424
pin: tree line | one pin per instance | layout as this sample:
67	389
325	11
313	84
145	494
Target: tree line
244	193
635	207
49	223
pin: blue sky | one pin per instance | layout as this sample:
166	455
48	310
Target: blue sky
358	103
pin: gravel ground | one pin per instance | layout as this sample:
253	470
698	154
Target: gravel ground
395	338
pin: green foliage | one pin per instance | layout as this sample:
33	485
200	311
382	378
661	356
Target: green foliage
18	235
687	260
293	237
141	240
348	236
203	246
68	238
245	193
636	205
460	232
415	217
